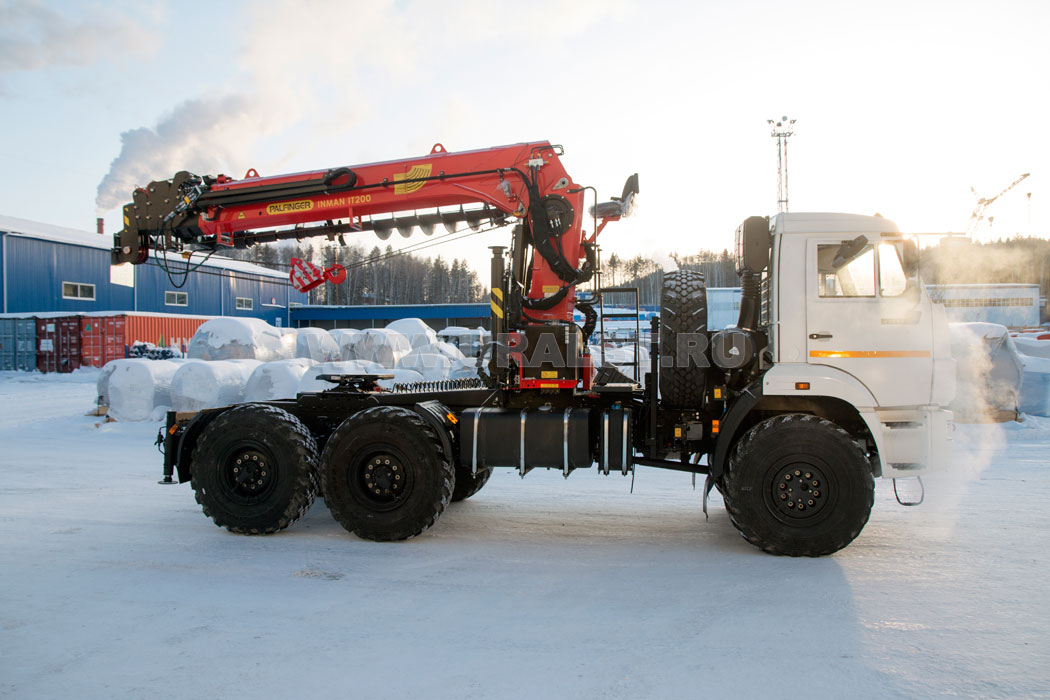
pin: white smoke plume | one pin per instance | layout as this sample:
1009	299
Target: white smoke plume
203	136
306	69
280	75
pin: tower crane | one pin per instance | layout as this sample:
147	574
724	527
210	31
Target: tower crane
984	202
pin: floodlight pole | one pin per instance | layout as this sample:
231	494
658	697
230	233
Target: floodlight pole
781	129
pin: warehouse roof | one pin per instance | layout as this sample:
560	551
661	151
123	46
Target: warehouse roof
60	234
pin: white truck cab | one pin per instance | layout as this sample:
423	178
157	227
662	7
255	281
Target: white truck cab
849	319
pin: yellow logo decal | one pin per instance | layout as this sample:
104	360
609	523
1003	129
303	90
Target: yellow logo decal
414	173
241	216
289	207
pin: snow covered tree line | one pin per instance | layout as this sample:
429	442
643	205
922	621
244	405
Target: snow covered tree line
381	276
1021	260
376	276
648	275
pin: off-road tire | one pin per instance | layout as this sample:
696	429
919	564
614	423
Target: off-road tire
468	484
772	503
262	495
410	483
683	310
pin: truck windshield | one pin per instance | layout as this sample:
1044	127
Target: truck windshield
892	279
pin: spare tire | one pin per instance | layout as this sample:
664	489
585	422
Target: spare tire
684	359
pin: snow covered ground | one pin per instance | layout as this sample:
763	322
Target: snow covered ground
112	586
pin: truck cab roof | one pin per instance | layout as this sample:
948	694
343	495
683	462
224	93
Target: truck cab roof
826	222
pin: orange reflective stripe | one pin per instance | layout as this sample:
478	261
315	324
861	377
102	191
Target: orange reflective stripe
868	353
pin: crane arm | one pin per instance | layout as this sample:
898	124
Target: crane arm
984	202
523	182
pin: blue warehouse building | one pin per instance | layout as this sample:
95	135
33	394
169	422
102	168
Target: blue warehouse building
54	269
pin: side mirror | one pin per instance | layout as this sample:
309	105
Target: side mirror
848	251
619	206
752	242
630	188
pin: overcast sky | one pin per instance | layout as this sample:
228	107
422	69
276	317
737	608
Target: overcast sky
901	107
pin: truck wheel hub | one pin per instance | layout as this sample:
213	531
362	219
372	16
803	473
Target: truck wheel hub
384	480
249	473
799	490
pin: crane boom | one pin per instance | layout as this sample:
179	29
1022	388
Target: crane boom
524	182
984	202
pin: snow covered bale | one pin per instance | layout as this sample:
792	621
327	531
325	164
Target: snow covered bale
442	348
466	368
418	333
200	385
310	382
140	389
316	344
102	383
1033	347
988	373
470	341
240	338
381	345
289	339
344	339
1035	387
276	380
432	366
401	376
368	367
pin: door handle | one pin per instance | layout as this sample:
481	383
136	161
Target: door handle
819	336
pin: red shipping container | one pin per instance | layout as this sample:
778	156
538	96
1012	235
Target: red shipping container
105	338
58	343
101	339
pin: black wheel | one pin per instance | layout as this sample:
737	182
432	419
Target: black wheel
798	485
683	339
255	469
468	484
385	474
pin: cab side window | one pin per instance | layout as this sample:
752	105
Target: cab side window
854	277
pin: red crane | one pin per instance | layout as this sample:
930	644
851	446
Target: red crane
523	183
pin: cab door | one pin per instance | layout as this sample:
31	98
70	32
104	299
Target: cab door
866	316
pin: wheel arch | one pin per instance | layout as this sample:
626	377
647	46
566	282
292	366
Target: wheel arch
188	441
755	405
437	415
